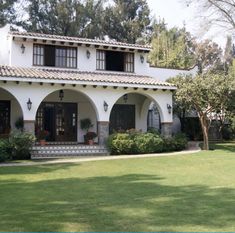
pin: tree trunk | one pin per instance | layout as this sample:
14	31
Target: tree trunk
204	125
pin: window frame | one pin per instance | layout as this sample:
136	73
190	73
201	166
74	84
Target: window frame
129	61
69	52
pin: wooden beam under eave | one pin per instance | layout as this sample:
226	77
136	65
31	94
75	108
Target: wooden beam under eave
94	86
4	81
131	50
155	89
105	47
125	88
145	89
88	45
104	87
52	84
44	41
35	40
53	41
62	42
84	86
30	83
17	82
63	84
71	43
74	85
41	83
24	39
135	88
97	46
114	48
123	49
115	87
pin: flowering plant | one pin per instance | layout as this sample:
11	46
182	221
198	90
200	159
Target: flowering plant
42	134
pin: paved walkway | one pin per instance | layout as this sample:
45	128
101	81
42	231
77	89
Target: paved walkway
194	148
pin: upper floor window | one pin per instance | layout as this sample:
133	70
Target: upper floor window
114	61
58	56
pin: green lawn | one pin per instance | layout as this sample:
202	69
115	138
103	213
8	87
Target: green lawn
177	193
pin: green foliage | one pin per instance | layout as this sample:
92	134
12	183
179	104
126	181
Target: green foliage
207	94
5	150
17	146
20	143
86	124
172	48
121	143
6	11
148	143
19	124
143	143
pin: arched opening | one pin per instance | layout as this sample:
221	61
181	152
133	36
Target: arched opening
154	118
132	111
60	113
11	114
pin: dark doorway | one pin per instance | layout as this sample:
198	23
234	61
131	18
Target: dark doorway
122	117
5	109
59	119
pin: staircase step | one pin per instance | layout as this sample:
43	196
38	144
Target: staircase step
59	151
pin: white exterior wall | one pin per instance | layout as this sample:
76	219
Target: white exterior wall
4	45
90	101
11	54
16	112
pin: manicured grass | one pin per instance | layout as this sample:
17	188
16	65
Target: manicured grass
177	193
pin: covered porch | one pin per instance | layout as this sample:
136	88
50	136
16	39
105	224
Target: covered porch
112	102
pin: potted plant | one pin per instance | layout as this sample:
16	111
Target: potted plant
90	137
85	124
42	135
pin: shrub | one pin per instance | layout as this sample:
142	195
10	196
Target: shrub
176	143
19	144
135	142
148	143
121	143
5	150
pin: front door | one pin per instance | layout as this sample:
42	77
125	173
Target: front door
59	119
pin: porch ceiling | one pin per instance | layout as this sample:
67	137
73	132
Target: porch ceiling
9	73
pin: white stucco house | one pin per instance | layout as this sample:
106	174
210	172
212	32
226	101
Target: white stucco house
55	81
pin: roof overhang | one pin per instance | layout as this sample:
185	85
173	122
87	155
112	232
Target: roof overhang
74	41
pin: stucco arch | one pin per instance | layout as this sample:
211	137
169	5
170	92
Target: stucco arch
142	102
50	91
148	96
15	106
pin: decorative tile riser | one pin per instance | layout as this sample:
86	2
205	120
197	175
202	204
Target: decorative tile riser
51	156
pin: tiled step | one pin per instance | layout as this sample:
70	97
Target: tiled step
59	151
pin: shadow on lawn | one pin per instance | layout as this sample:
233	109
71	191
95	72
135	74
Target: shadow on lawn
226	147
37	169
133	202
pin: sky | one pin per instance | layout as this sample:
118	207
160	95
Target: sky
176	13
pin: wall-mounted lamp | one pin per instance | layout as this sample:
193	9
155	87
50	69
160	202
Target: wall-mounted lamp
142	58
105	106
22	48
169	108
29	104
61	95
125	98
88	54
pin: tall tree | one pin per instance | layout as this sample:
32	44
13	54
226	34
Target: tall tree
65	17
127	20
6	11
171	48
208	94
208	55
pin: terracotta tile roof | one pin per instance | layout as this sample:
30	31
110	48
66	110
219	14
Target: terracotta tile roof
79	40
84	77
